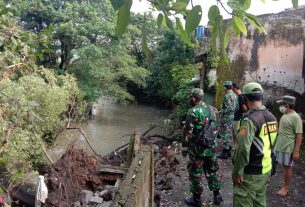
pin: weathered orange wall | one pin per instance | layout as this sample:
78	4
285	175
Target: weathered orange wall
274	61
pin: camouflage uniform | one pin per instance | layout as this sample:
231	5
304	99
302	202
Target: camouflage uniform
229	106
201	160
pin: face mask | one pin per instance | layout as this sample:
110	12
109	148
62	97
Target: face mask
282	109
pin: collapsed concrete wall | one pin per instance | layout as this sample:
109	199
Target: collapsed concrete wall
137	189
277	58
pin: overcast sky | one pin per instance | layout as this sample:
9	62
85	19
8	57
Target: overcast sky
257	7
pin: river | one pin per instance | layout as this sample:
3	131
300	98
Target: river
109	128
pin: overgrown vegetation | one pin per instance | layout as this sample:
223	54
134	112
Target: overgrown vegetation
35	103
56	54
83	44
171	72
233	71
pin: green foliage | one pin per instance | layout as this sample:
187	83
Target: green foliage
139	24
182	76
116	4
211	63
193	19
123	18
239	25
174	8
182	32
33	106
109	77
16	46
75	24
33	101
171	73
171	51
84	44
182	99
233	71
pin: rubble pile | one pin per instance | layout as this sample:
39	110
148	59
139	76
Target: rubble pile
75	180
167	175
117	157
102	197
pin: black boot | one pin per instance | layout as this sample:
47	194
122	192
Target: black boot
217	198
195	200
224	154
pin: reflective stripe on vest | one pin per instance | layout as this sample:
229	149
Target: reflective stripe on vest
267	162
260	152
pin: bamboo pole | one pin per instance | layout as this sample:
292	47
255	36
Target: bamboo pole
44	148
87	140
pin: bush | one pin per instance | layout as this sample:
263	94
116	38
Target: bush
32	107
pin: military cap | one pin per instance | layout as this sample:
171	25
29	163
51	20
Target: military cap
227	83
197	93
252	88
287	99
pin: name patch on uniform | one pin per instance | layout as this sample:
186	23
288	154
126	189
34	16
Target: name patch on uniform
271	128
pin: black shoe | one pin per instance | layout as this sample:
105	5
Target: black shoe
229	154
224	154
193	201
217	199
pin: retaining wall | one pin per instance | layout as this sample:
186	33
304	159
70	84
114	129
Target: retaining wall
137	189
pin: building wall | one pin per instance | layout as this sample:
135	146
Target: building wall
276	59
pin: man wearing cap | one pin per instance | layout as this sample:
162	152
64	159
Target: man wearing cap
202	160
229	106
289	139
252	157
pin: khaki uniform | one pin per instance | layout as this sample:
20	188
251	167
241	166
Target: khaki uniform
252	158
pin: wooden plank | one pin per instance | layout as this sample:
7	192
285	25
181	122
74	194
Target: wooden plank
113	169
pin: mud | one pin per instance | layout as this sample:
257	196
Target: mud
172	185
74	172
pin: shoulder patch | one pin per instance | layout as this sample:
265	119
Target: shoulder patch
242	131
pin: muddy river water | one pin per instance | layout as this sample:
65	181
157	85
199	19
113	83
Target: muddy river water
110	127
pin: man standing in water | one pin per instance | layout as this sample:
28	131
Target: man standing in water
252	157
289	140
229	106
202	159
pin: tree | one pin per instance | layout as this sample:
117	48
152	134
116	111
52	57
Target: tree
75	23
140	25
106	71
171	69
84	44
35	103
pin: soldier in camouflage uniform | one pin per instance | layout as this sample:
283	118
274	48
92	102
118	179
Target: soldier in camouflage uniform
202	160
229	106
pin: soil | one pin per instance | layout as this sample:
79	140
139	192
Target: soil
75	171
172	186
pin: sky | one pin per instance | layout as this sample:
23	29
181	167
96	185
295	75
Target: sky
257	7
